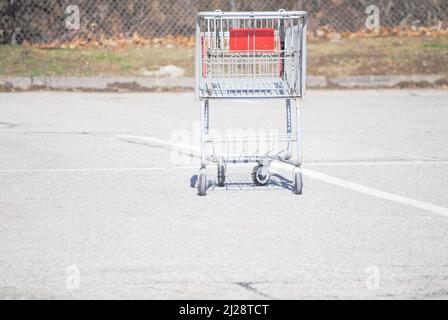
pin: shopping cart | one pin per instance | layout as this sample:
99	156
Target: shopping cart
250	55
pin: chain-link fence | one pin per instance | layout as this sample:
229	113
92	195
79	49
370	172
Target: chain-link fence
50	21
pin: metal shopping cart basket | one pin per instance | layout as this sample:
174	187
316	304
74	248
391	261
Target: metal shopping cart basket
253	55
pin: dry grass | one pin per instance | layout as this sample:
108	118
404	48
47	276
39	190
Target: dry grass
359	56
379	56
26	61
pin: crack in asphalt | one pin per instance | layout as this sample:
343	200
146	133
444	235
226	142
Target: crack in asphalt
249	286
7	125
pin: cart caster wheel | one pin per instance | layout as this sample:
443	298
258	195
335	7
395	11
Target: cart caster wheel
258	178
221	175
202	182
298	181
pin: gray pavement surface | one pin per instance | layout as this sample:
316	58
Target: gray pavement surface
87	211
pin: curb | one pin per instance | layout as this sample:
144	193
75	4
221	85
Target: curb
150	84
420	81
94	83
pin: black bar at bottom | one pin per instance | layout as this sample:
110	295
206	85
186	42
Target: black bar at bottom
219	309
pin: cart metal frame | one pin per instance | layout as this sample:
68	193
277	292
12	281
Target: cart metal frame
251	55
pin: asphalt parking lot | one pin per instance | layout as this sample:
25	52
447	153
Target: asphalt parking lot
94	203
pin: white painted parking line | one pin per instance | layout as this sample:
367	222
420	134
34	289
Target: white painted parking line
157	141
322	177
279	165
68	170
195	149
377	163
368	190
79	170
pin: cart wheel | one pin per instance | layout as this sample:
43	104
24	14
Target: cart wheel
202	182
258	178
221	175
298	181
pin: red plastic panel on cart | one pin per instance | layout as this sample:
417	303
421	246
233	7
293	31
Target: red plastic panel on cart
256	39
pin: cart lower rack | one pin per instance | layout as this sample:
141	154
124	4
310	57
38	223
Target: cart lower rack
251	55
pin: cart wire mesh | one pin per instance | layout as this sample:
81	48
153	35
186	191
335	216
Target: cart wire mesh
250	55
